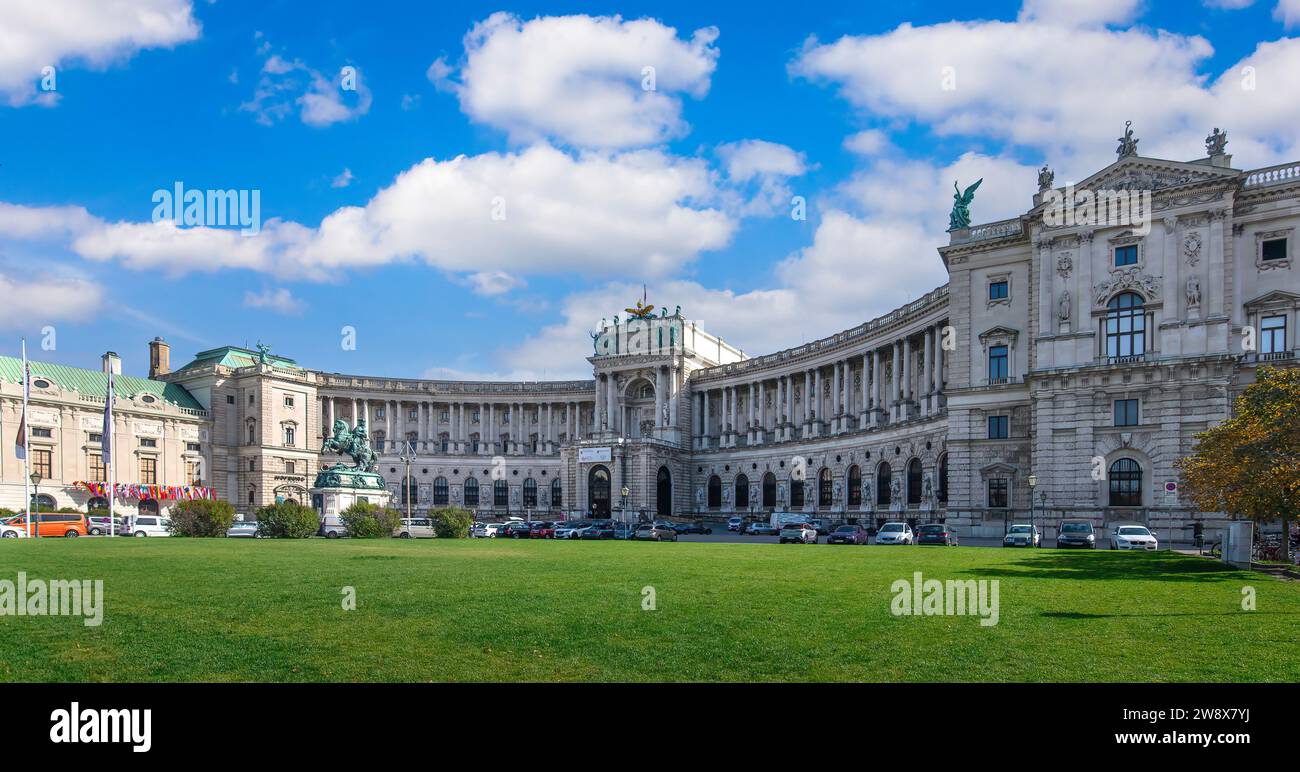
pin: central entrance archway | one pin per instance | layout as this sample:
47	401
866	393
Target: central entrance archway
664	493
598	491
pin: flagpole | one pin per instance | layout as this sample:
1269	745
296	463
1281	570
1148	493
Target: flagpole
107	441
27	445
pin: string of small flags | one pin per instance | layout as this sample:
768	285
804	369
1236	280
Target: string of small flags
156	492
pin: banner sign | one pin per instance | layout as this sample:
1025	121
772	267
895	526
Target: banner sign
594	455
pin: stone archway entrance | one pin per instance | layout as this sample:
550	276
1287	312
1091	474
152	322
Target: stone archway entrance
598	490
664	493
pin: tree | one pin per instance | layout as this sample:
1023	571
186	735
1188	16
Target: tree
286	521
202	517
1249	465
365	520
451	522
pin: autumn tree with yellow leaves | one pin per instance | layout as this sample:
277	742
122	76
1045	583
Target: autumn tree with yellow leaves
1249	465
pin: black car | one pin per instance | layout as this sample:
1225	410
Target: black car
599	529
936	533
515	530
695	527
1076	533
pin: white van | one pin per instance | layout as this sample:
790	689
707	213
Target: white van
415	528
149	525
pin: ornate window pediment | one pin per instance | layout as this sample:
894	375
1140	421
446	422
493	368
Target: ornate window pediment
998	468
1132	280
998	290
998	336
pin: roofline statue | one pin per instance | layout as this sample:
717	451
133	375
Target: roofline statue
960	216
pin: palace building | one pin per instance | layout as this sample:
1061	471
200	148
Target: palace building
1066	365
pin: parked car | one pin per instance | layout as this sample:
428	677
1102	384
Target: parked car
760	528
1132	537
149	525
98	525
243	529
936	533
848	534
820	526
802	533
735	524
1021	535
69	524
8	531
1076	533
695	527
331	527
654	532
541	529
894	533
623	531
571	529
597	530
515	529
415	528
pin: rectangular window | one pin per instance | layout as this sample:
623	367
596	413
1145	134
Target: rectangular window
95	467
289	436
1126	412
444	416
96	437
999	427
148	442
149	471
1126	255
192	473
230	399
40	431
379	412
250	399
998	364
1272	335
1273	249
193	447
413	415
999	290
289	467
288	401
998	493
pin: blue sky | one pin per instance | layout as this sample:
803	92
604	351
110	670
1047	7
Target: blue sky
606	186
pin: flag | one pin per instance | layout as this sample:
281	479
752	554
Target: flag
20	445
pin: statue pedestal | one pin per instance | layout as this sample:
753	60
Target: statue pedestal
337	488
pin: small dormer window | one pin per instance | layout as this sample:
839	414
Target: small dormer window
148	399
41	383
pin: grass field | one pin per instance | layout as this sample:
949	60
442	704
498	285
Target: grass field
244	610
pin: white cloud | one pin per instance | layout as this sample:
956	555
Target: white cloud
760	171
37	223
493	282
322	100
39	33
32	303
1287	12
579	79
343	179
280	300
1012	85
1082	12
1229	5
868	143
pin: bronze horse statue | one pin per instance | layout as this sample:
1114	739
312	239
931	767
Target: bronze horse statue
354	443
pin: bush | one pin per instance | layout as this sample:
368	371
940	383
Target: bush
202	517
287	521
452	522
367	521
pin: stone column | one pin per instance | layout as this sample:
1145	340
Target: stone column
807	402
674	386
749	423
1212	290
659	396
489	432
927	373
705	431
895	366
735	416
600	403
866	391
836	405
938	368
761	435
875	388
789	407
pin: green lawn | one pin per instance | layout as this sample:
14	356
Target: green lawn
244	610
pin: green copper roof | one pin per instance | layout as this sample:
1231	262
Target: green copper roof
234	356
95	382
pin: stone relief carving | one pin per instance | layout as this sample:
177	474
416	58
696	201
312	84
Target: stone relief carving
1063	306
1193	292
1192	248
1131	279
1064	265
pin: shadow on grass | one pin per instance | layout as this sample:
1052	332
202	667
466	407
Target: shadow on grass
1148	615
1105	566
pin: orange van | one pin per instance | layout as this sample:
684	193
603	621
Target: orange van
69	524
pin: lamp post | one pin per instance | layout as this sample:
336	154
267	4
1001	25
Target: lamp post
36	501
1033	528
622	514
407	457
1042	497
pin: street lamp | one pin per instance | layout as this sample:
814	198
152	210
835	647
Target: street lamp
36	500
623	504
1042	498
407	457
1033	527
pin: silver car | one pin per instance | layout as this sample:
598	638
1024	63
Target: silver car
244	529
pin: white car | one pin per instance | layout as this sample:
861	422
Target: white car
1132	537
571	530
802	533
242	529
149	525
415	528
734	523
12	532
1022	535
894	533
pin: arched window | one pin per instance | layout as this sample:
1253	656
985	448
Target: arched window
1125	483
914	482
742	492
500	493
769	491
252	432
530	492
471	492
98	502
715	492
855	486
440	495
884	476
557	494
664	492
825	489
941	490
1126	333
45	503
148	507
796	492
